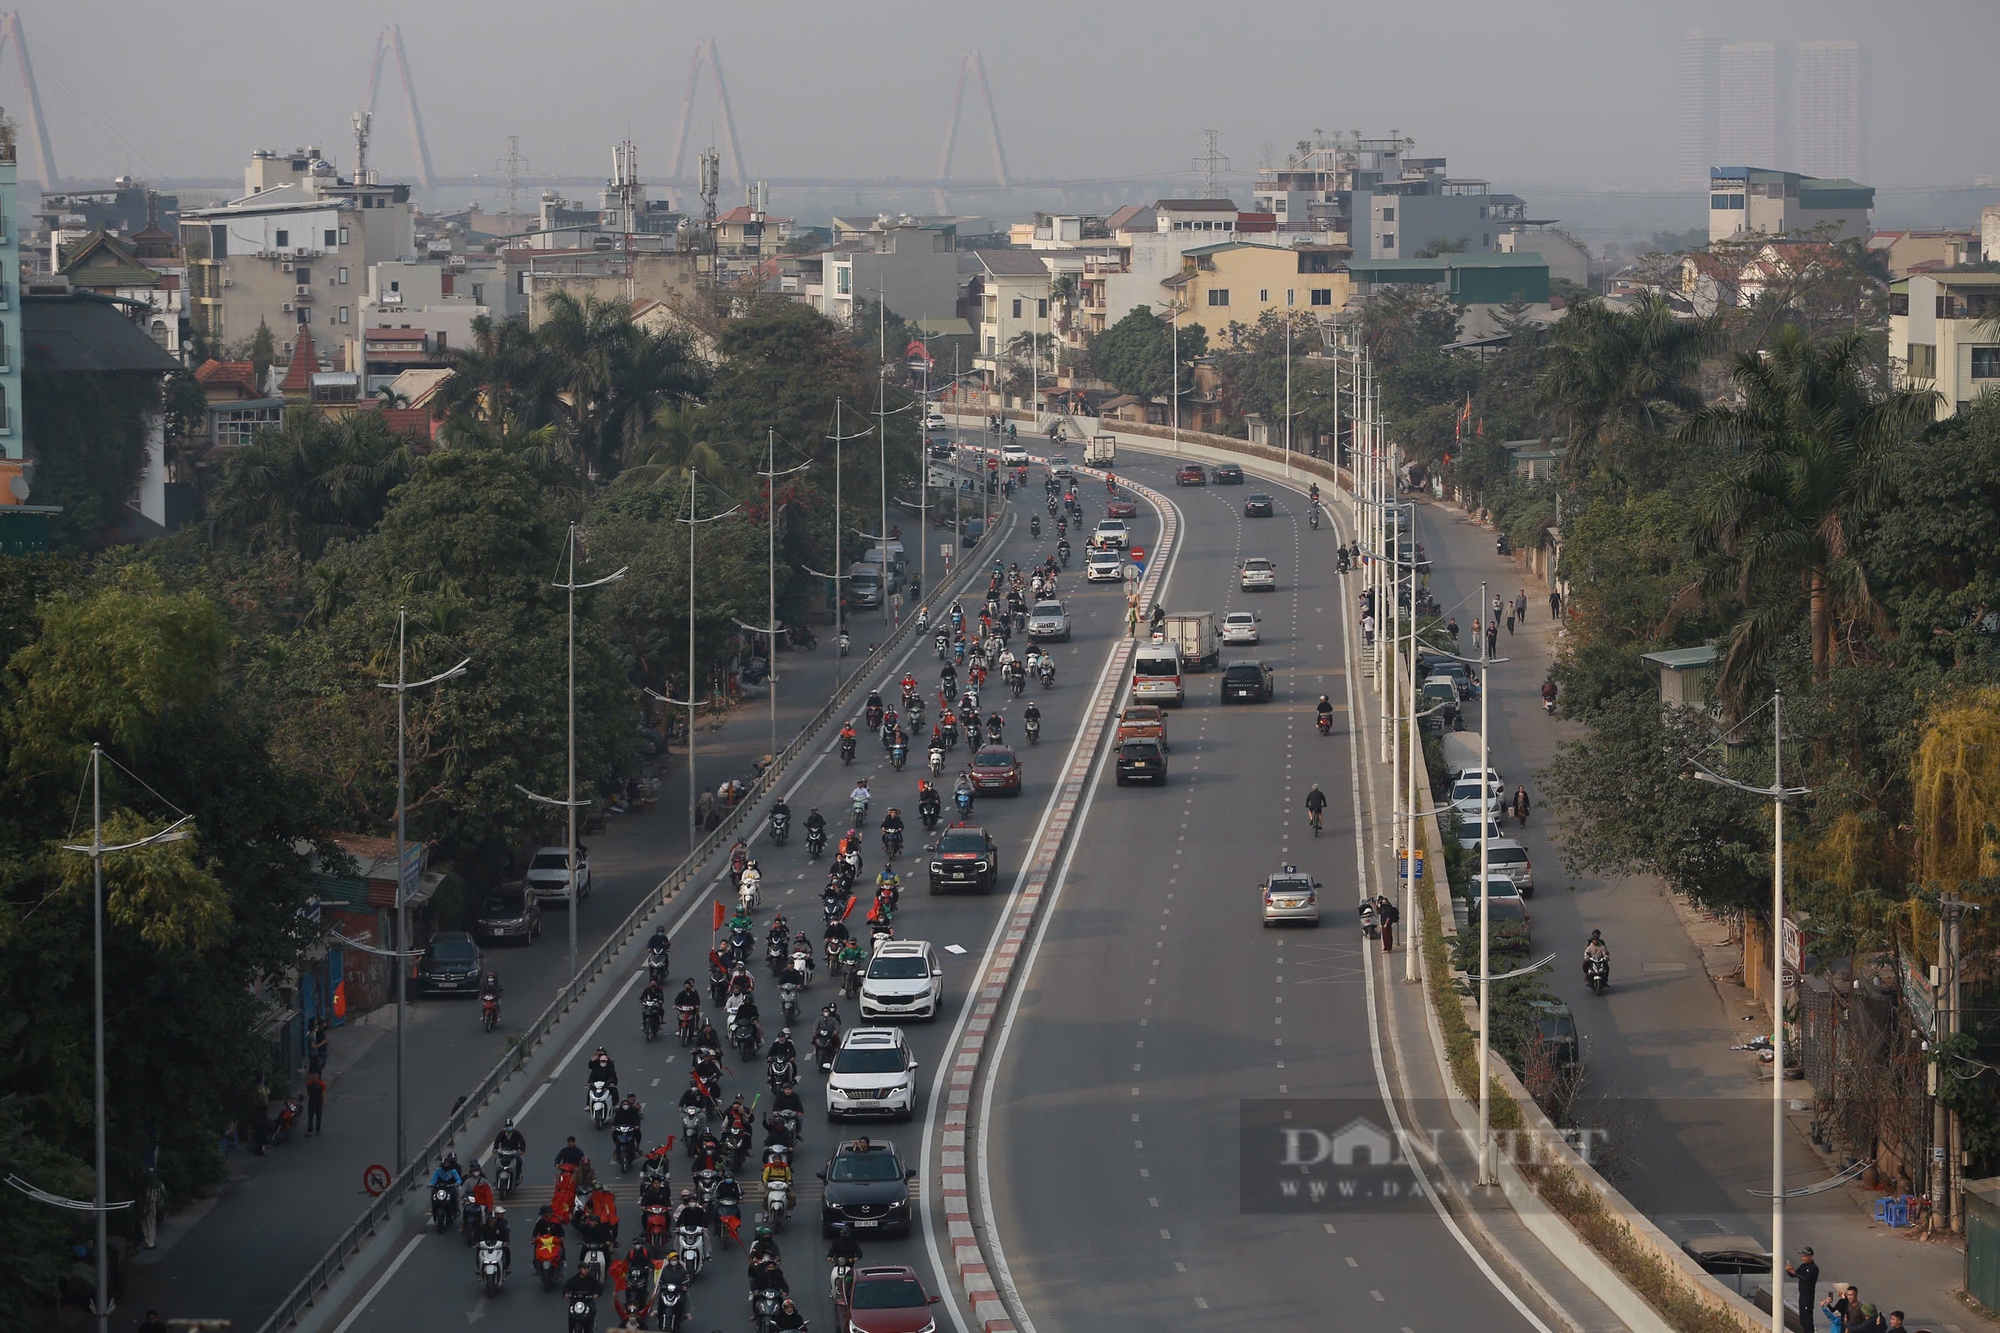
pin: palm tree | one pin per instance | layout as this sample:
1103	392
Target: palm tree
308	482
585	344
497	375
1812	440
1618	377
655	376
674	442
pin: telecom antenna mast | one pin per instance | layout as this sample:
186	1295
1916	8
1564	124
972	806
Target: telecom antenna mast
711	186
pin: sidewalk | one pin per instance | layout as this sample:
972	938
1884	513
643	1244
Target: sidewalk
1694	1115
235	1254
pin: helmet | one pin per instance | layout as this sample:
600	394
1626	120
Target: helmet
844	1229
499	1210
601	1050
763	1233
784	1032
509	1124
687	1196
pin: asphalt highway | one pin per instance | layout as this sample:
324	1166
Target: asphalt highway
1159	1017
432	1282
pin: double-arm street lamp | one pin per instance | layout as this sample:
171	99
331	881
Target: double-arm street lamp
1777	793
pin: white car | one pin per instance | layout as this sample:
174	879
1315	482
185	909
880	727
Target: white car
935	422
1473	798
1469	829
903	981
1291	895
1259	574
1112	532
1240	627
1103	567
1508	857
873	1074
548	875
1048	620
1493	776
1059	467
1014	455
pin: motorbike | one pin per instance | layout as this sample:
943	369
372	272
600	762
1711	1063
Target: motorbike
686	1023
899	754
1033	726
1501	546
788	1001
937	758
815	843
873	715
1313	518
963	799
1549	705
777	1203
625	1147
929	813
507	1173
943	645
1035	526
694	1249
739	860
288	1120
1341	564
549	1260
1597	974
583	1313
764	1306
718	983
736	1142
653	1225
775	950
1371	928
492	1269
657	962
892	843
1048	673
489	1011
832	907
1017	680
444	1207
599	1102
1325	724
781	827
691	1123
847	749
747	897
593	1259
744	1038
824	1044
859	810
672	1300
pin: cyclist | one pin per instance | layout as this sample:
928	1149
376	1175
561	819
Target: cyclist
1315	807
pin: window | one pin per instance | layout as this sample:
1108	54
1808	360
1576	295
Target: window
1899	303
1229	224
439	340
305	314
395	285
1725	201
1322	296
1923	361
1218	296
343	314
1388	214
1485	238
1291	296
302	275
1263	296
843	284
343	277
343	236
1042	308
992	346
1986	363
1482	212
1017	307
284	238
6	422
331	238
1388	240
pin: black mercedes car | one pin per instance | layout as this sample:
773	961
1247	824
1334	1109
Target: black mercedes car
451	965
867	1187
1257	506
1228	474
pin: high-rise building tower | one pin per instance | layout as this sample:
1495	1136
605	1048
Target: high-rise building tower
1751	106
1698	122
1830	110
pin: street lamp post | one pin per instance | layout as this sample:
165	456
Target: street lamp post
572	587
402	687
96	850
1777	793
692	524
770	476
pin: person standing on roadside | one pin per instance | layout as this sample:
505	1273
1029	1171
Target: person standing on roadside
1521	605
315	1101
1521	806
317	1047
1388	914
1806	1270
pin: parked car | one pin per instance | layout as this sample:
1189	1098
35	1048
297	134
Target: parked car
548	874
1508	857
451	965
509	912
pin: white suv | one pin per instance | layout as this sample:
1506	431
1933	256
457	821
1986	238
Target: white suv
903	981
1111	532
873	1074
1013	455
548	875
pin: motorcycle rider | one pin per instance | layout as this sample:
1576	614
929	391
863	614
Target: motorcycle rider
816	824
785	1099
658	940
510	1140
653	994
788	1317
844	1250
628	1115
691	1214
1595	950
928	802
687	995
1549	691
995	728
546	1224
893	823
497	1228
782	1047
764	1249
1325	709
601	1067
700	1100
779	809
582	1286
448	1173
746	1018
861	795
570	1155
1032	714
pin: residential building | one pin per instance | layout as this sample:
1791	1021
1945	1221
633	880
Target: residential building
1944	334
1197	215
911	267
1010	292
1568	258
1700	116
13	482
300	240
1760	201
677	277
1235	282
1480	284
1989	231
747	232
1372	195
124	210
238	406
1830	110
968	231
1750	103
144	270
1926	248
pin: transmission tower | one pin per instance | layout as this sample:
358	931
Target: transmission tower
1211	164
711	186
389	41
705	54
38	128
513	164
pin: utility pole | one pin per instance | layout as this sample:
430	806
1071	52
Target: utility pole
1211	164
514	162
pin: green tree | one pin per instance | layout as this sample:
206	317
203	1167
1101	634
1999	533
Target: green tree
1443	246
1616	380
312	480
261	353
1137	354
1814	439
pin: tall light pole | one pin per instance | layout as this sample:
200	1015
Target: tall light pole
96	850
839	565
1777	793
770	476
693	698
402	686
1288	395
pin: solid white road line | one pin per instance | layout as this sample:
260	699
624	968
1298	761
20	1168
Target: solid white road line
361	1307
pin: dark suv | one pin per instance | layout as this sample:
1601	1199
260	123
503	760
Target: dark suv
509	912
1142	760
965	858
1247	681
451	965
867	1187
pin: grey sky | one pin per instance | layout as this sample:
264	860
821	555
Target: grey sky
1534	91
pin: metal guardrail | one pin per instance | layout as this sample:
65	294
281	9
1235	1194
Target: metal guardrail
379	1210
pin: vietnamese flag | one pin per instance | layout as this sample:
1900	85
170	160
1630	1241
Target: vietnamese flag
850	907
875	910
720	917
702	1085
733	1225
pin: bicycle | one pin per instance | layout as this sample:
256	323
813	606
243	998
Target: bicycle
1315	816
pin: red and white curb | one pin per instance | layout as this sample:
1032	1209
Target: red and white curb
989	1312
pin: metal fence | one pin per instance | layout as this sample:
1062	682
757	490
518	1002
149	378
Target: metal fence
330	1265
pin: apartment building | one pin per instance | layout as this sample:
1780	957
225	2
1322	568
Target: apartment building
1759	201
912	268
1944	334
1236	282
1479	284
1010	291
13	481
293	251
1926	248
1374	196
144	268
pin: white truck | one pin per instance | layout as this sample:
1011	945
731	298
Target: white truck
1195	634
1102	451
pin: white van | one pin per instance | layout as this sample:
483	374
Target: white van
1156	674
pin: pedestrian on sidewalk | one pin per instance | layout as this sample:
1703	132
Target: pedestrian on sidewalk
1452	625
1492	640
1555	604
317	1047
1510	621
1807	1272
1521	806
1388	914
260	1119
315	1101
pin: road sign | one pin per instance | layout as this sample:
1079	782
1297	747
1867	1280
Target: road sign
1403	863
375	1179
1133	573
1138	553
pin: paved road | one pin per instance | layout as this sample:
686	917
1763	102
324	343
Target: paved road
435	1285
1158	1006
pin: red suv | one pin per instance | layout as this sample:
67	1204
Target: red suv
888	1300
995	768
1191	475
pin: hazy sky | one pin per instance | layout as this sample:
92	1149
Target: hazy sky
1581	92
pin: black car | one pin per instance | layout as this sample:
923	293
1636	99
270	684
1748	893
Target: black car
965	858
1142	760
451	965
867	1187
1247	681
1228	474
509	912
1259	505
